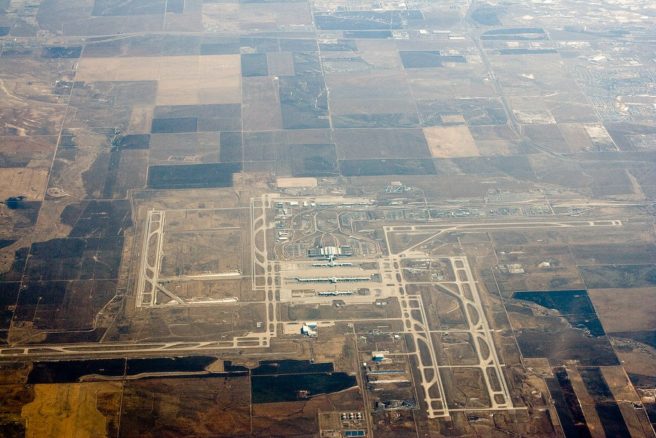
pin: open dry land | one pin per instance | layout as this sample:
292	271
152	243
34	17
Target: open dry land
327	218
451	141
96	410
181	80
23	182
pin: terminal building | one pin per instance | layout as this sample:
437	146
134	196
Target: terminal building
309	329
332	264
331	279
330	252
335	293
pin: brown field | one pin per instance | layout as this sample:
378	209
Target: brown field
272	15
296	182
636	360
599	134
195	252
12	399
220	17
182	80
453	119
27	182
623	310
400	241
576	137
334	346
379	53
50	414
435	84
22	120
13	373
619	384
35	151
452	141
141	119
537	117
299	418
370	86
286	418
261	106
211	407
336	116
280	63
189	220
586	402
626	395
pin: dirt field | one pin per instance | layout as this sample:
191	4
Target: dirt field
296	182
626	396
182	80
636	360
456	119
586	401
194	253
623	310
576	136
34	151
299	418
212	407
27	182
220	17
598	134
50	414
141	119
12	399
452	141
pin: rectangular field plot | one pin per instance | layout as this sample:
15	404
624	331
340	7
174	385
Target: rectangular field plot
188	148
192	257
192	253
361	144
453	141
188	176
386	167
254	64
572	332
182	80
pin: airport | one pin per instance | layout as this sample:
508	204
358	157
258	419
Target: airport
327	218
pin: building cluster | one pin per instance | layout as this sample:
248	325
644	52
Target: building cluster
330	252
331	279
310	329
336	293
